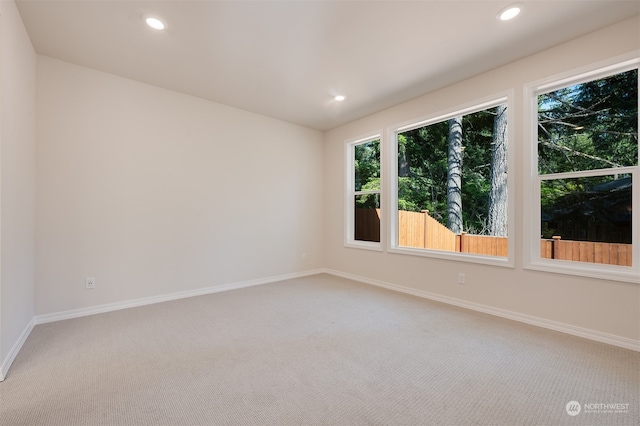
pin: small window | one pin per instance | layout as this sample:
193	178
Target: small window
363	193
451	186
586	155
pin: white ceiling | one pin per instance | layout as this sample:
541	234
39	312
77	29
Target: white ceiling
286	59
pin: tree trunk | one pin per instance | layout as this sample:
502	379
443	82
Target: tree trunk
403	161
497	223
454	176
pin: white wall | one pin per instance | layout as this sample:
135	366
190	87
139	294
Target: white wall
17	181
154	192
601	306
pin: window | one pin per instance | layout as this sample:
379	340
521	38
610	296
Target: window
584	169
363	193
451	185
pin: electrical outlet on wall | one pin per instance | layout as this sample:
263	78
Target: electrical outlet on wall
462	278
90	283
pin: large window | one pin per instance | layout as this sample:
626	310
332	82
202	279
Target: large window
451	184
447	186
585	131
363	193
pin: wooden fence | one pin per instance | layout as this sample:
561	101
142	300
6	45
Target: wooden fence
367	225
586	251
420	230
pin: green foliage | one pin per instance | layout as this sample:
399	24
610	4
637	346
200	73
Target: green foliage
553	190
367	173
367	165
369	201
589	126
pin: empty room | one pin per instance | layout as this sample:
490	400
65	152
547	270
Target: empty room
319	212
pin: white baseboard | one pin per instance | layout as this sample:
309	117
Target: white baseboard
598	336
6	364
109	307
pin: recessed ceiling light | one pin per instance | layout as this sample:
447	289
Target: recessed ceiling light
340	98
510	12
155	23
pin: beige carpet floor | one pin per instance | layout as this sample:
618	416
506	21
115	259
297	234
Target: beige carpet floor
318	350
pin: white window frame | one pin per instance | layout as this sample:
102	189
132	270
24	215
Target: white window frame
392	210
351	193
531	203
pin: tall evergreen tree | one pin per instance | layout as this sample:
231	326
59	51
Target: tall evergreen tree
497	217
454	176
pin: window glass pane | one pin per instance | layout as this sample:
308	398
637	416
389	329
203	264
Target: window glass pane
589	126
367	166
452	184
367	217
579	212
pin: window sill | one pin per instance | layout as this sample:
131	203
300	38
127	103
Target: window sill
366	245
589	270
504	262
